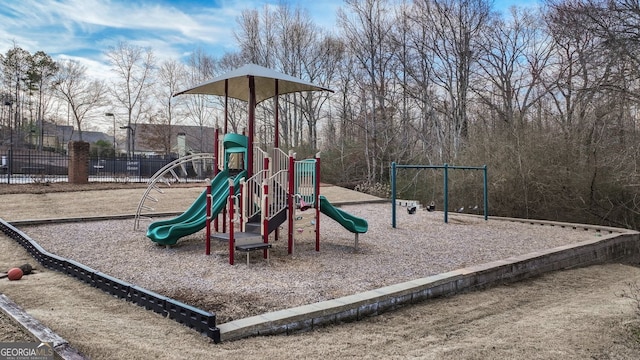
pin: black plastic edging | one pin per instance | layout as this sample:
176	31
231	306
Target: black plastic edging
197	319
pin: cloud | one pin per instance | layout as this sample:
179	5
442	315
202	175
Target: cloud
96	69
86	27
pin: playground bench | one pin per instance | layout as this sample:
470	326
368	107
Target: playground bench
247	248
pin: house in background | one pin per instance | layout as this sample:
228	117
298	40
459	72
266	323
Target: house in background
92	137
58	136
54	137
162	140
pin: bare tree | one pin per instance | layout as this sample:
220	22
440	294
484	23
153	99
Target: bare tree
256	36
306	52
615	23
286	39
83	95
515	54
134	67
418	122
171	79
594	87
508	84
321	67
200	108
456	27
366	30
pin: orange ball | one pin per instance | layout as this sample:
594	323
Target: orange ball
14	274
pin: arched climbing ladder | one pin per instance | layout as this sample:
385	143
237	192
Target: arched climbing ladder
161	177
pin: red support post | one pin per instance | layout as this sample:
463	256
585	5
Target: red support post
240	208
208	226
276	111
317	200
266	166
231	239
251	121
216	170
291	205
226	105
265	217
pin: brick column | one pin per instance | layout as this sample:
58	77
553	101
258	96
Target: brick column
78	162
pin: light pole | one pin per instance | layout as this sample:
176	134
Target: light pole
114	131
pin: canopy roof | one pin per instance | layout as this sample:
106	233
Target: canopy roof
265	84
253	84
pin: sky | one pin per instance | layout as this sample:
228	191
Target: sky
83	30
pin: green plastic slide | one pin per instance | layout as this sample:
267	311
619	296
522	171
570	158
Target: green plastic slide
352	223
167	232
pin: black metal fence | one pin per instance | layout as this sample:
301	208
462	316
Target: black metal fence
25	166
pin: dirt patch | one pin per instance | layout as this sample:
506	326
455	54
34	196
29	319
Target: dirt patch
9	332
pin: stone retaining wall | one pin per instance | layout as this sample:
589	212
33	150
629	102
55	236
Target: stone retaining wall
617	246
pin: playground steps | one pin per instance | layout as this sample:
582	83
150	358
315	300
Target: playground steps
277	220
240	238
255	246
253	230
253	225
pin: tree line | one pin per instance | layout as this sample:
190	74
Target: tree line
545	97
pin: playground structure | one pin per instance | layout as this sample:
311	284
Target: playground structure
253	190
204	321
445	168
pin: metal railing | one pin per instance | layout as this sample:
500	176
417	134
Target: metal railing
277	183
305	180
252	194
252	187
280	160
278	188
258	159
